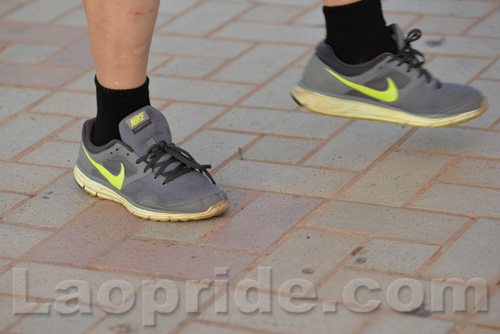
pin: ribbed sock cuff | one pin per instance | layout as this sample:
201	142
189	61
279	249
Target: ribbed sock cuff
354	22
357	32
114	105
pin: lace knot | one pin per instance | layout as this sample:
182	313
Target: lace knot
185	162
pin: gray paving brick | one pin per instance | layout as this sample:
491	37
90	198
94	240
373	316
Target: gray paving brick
17	240
288	179
270	14
196	327
41	11
192	231
198	47
371	138
7	318
74	132
277	149
75	18
392	255
214	147
190	67
36	75
261	63
276	94
470	256
26	178
492	316
475	172
488	27
56	322
290	2
471	329
456	69
207	15
5	7
444	7
334	287
175	6
34	33
314	321
65	198
3	263
490	90
133	321
401	19
262	222
461	199
271	33
69	103
493	72
395	179
279	122
458	45
314	17
42	279
15	99
33	128
198	90
307	255
77	55
8	200
375	219
54	153
443	25
185	118
394	323
27	53
84	82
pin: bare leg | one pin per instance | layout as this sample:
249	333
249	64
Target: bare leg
120	36
331	3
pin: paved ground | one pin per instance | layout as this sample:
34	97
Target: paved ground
314	198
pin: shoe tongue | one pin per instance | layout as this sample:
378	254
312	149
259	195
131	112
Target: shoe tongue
143	128
398	36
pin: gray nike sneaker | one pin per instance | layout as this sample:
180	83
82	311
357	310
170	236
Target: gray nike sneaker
392	88
148	174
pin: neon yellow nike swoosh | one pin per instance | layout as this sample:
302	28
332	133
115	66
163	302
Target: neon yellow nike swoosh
115	180
389	95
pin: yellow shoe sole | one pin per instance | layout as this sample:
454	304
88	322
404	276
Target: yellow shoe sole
328	105
103	192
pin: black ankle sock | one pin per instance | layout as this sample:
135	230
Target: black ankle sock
357	32
113	106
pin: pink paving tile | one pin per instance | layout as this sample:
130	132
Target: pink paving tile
173	258
43	76
77	55
89	235
38	33
263	222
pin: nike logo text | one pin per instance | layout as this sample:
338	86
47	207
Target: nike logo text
115	180
389	95
137	119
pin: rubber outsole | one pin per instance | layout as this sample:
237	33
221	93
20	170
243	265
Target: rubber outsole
97	189
328	105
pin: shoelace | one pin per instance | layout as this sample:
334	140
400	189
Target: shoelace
177	154
414	58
